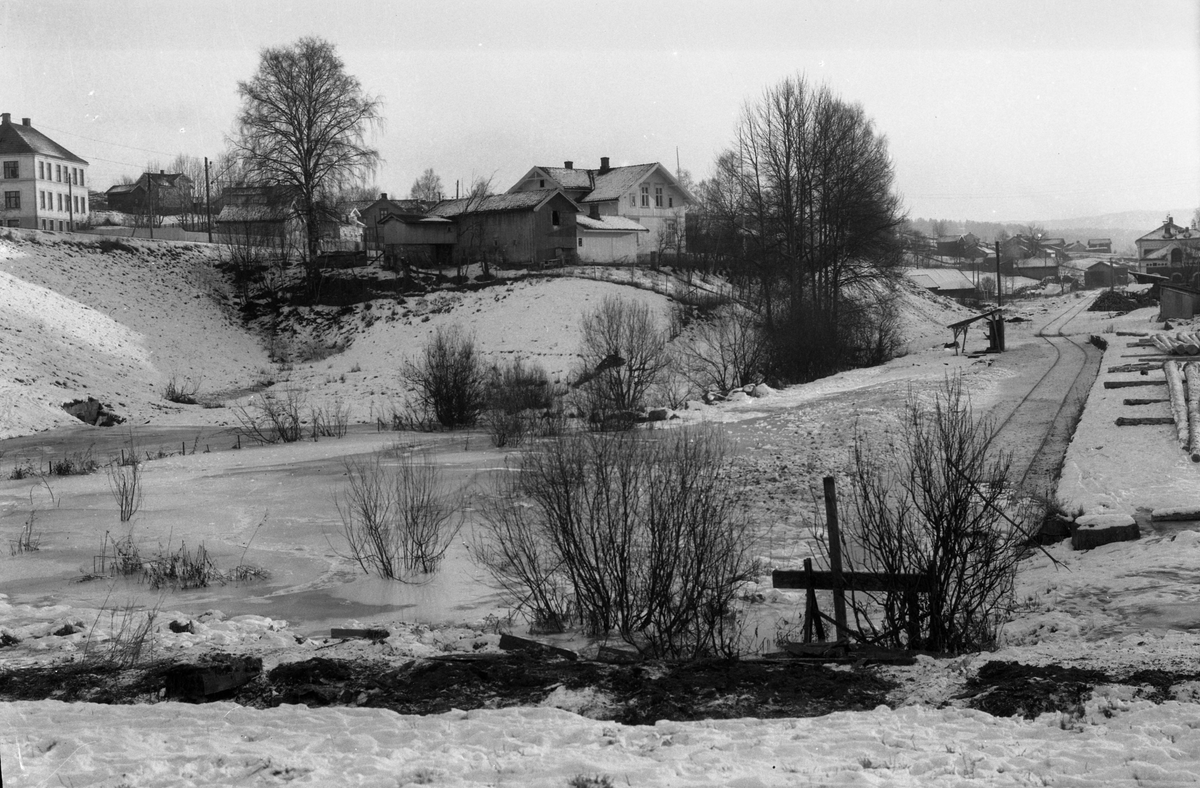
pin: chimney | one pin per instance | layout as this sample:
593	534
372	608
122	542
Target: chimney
570	165
25	121
162	172
383	195
604	165
6	118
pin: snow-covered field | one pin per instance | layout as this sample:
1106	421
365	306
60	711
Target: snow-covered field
71	330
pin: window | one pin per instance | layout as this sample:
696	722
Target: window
542	183
658	197
60	202
580	243
12	201
83	205
645	196
670	202
14	222
41	170
42	200
12	169
60	225
554	218
632	200
81	183
58	172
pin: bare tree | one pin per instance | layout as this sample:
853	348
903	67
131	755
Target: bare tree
428	187
450	378
623	353
818	216
303	124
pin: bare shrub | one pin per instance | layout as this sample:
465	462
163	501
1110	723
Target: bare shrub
398	518
181	391
725	351
942	509
626	534
331	420
623	353
273	417
519	397
450	378
182	569
28	539
127	638
125	483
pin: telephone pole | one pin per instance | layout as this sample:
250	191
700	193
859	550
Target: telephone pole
207	200
999	281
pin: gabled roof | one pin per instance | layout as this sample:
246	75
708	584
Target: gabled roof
18	139
1160	233
414	218
1165	252
940	278
254	213
122	188
611	223
513	201
569	179
612	184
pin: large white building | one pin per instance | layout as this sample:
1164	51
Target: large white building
44	185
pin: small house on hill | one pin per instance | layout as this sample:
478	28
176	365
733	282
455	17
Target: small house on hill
948	282
163	193
260	217
528	226
644	194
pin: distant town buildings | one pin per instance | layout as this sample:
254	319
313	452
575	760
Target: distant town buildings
44	184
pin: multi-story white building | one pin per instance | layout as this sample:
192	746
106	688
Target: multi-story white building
42	184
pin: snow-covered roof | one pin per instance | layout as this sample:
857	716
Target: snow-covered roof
512	201
18	139
570	179
611	223
619	181
940	278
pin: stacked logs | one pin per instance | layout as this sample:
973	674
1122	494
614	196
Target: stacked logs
1182	343
1183	386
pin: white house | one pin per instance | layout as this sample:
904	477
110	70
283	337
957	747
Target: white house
44	184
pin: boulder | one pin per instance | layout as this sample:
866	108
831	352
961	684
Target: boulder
1094	530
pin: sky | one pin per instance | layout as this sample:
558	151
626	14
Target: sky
994	111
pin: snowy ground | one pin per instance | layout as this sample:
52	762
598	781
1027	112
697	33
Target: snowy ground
1117	607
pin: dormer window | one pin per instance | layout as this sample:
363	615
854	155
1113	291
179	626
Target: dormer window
645	196
542	185
658	197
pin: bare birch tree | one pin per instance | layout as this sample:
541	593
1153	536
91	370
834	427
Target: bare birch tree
303	124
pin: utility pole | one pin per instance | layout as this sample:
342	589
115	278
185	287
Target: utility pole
999	281
150	200
207	200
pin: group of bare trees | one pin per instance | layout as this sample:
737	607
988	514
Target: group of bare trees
803	212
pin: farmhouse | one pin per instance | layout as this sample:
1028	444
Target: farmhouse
529	226
163	193
646	195
44	184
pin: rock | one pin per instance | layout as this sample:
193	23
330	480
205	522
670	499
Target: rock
1094	530
657	414
213	680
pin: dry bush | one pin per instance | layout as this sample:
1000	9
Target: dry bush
125	483
273	417
128	639
520	398
182	570
181	391
399	518
942	509
638	536
330	421
623	354
725	351
28	539
450	378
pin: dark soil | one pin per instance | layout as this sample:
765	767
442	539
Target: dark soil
639	693
1011	689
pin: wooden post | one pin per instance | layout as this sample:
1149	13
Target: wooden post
835	558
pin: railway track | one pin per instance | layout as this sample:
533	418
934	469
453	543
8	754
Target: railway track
1038	428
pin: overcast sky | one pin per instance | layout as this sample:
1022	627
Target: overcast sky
1006	110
